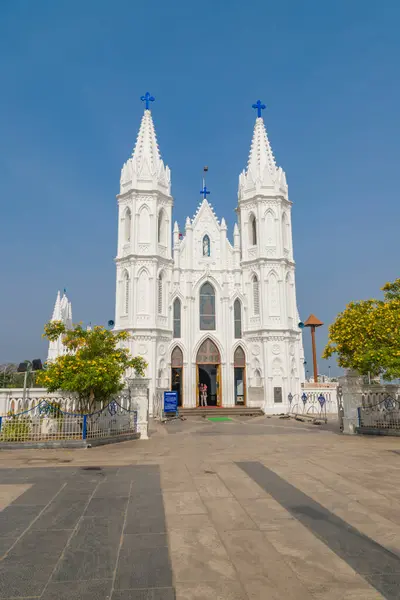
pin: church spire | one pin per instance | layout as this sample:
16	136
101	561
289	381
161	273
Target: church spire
146	169
261	170
57	309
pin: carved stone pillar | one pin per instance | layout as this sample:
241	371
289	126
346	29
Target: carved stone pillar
139	388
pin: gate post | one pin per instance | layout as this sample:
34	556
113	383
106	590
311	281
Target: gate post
139	388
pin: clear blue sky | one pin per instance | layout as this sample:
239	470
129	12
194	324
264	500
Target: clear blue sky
71	76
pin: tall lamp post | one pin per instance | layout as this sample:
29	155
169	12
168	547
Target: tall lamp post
312	322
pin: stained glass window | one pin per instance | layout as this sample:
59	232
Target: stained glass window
239	358
177	318
206	246
237	315
207	307
208	354
177	357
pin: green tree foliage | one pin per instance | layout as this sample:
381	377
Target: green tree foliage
366	335
94	365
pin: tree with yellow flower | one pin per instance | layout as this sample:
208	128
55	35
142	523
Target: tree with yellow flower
93	366
366	335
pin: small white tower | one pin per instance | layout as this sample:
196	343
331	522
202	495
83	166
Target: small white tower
62	312
144	258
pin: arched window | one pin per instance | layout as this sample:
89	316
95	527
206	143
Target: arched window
237	315
126	292
177	318
206	246
207	307
160	294
253	230
239	361
128	224
256	295
161	228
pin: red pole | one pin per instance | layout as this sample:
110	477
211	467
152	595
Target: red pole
314	353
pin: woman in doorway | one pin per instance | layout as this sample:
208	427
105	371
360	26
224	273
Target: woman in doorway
204	395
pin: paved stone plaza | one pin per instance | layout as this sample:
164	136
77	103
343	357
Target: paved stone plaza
260	509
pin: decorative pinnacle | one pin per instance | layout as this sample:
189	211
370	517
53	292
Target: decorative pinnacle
147	98
258	106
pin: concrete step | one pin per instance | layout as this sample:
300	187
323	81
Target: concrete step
216	411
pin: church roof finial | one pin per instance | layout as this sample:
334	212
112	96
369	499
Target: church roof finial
147	98
261	158
259	107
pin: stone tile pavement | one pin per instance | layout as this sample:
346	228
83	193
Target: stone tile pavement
259	509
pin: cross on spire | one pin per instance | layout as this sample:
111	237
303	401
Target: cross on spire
204	191
259	107
147	98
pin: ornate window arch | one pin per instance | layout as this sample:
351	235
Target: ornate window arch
237	318
177	318
252	230
207	307
127	225
161	228
126	281
256	295
206	246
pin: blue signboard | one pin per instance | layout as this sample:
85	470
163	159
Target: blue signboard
170	402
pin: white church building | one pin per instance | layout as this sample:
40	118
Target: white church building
199	308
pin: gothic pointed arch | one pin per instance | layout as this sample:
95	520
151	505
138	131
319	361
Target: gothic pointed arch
177	309
273	295
207	307
256	294
144	224
252	230
161	228
239	357
143	292
176	357
289	298
127	225
237	318
208	353
270	227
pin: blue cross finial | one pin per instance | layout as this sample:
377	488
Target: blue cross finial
204	191
147	98
259	107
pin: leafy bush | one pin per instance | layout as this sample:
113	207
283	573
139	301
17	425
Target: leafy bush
15	429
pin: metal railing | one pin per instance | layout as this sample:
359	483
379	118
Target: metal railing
311	404
47	421
379	411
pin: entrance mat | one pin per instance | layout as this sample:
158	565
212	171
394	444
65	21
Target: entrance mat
219	419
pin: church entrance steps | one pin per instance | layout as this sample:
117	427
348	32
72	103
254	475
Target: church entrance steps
215	411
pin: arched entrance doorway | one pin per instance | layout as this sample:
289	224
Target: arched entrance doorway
177	373
208	366
239	365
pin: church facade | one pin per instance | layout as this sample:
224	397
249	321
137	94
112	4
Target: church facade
200	309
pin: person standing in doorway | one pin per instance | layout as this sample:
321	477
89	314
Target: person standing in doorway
204	393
